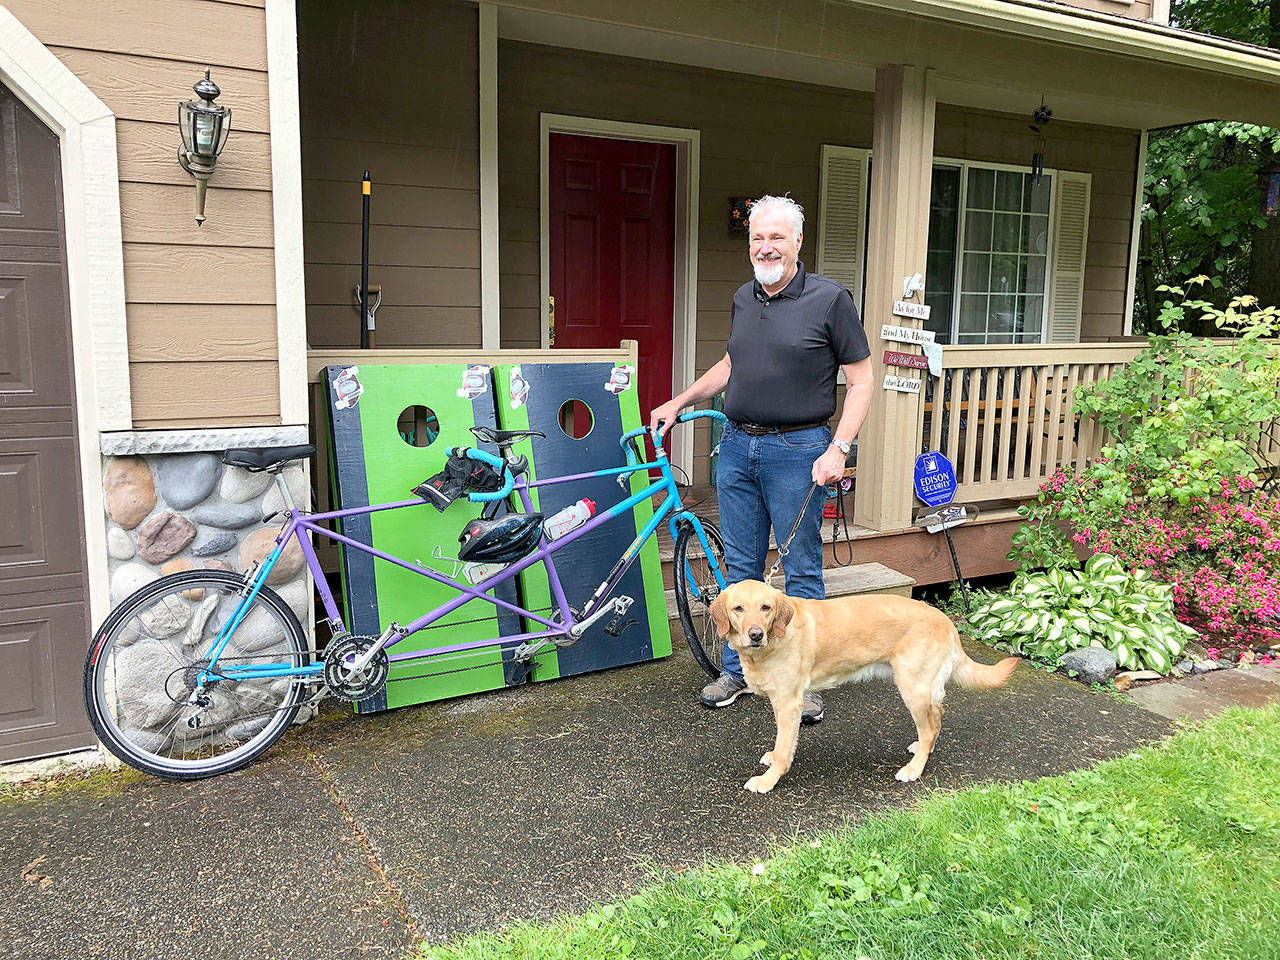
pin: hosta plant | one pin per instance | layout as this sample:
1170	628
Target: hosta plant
1046	614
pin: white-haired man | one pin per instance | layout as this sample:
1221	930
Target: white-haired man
791	330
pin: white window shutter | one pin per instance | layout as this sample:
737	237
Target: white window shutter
842	217
1070	231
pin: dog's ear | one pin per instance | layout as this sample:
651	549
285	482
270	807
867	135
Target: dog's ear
786	610
720	616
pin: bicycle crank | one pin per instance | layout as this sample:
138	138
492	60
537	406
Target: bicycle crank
346	683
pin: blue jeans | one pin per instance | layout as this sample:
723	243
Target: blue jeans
761	483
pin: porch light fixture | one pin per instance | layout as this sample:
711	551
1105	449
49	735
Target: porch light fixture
1040	118
204	126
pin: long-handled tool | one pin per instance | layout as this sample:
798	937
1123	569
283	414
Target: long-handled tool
366	189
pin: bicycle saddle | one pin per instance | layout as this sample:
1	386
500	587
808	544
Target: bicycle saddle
264	458
500	437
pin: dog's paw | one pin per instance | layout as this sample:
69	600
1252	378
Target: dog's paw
912	748
907	774
758	785
767	759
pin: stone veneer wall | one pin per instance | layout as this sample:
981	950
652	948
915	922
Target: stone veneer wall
172	512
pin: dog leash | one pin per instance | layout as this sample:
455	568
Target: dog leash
783	549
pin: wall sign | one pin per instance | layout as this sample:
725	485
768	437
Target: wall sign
905	334
913	360
902	384
906	308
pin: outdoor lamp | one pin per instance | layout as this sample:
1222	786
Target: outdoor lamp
204	126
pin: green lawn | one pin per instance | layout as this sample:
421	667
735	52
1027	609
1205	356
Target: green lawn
1170	852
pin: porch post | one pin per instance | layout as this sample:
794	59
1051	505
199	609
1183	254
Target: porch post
897	237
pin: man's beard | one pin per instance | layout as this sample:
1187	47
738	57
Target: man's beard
768	272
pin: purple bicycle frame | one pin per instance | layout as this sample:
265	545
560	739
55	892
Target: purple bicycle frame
671	507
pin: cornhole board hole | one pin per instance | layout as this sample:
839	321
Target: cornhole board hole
381	448
583	564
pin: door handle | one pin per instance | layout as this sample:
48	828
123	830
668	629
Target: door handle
551	321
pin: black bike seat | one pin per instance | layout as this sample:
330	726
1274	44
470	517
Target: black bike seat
500	437
264	458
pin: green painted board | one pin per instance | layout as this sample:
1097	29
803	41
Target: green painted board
585	563
374	463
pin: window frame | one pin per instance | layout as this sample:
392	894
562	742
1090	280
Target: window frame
962	211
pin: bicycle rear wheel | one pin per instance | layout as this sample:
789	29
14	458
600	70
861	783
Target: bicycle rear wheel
696	587
142	668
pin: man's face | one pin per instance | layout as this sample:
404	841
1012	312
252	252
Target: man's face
774	247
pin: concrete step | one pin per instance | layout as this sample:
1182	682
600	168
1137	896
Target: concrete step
843	582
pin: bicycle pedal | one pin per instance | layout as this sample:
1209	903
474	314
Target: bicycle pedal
614	629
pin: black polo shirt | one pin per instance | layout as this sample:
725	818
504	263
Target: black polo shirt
785	350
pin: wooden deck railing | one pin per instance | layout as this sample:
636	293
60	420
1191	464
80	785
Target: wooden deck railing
1003	414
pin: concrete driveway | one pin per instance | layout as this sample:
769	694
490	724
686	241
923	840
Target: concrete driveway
359	836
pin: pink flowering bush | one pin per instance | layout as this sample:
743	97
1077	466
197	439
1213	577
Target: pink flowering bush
1220	554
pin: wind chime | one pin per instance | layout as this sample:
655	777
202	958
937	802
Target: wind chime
1040	118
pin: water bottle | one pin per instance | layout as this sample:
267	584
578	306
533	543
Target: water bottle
572	516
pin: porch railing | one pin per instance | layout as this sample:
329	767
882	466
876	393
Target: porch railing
1003	414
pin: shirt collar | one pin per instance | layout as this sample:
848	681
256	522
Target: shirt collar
791	291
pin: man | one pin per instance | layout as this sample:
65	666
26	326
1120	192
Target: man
791	330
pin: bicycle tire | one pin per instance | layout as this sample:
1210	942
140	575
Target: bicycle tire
695	611
158	620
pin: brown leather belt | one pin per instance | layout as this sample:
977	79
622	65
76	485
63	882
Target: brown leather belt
760	430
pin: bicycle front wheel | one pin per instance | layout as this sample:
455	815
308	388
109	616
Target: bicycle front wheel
141	676
696	586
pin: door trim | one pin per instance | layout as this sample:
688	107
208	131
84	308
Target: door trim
95	266
685	294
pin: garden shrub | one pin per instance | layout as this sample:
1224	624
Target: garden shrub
1044	615
1177	491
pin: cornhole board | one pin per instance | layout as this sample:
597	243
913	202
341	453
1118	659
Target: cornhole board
584	563
372	463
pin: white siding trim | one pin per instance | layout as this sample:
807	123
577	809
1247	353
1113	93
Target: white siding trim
286	205
1131	281
490	291
95	265
685	296
1160	12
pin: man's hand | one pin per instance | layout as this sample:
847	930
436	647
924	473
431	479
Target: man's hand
667	413
829	467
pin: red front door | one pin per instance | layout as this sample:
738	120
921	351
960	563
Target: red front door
612	218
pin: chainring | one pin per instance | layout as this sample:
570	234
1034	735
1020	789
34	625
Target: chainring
348	686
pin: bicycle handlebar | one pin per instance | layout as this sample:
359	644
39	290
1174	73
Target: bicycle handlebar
508	480
657	441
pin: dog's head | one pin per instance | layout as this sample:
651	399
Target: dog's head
751	614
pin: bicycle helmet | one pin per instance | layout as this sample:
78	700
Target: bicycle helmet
502	539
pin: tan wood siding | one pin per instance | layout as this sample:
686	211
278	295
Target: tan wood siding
1137	10
200	301
408	111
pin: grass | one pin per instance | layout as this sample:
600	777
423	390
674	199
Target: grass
1170	852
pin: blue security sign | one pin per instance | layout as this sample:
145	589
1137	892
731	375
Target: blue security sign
935	479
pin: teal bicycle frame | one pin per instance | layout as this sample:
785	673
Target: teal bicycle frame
568	628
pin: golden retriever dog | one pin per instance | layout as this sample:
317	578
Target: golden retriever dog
788	645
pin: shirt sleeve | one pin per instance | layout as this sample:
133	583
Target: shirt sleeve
848	339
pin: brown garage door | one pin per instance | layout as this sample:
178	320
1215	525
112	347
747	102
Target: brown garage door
43	603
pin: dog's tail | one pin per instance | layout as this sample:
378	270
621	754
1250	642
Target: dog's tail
981	676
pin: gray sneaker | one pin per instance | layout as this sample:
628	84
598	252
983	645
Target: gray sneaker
811	713
723	690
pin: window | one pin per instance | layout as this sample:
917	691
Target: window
988	254
1005	258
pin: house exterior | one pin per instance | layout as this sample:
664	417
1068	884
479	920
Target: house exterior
137	344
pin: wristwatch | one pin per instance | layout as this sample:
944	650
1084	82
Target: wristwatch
842	445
